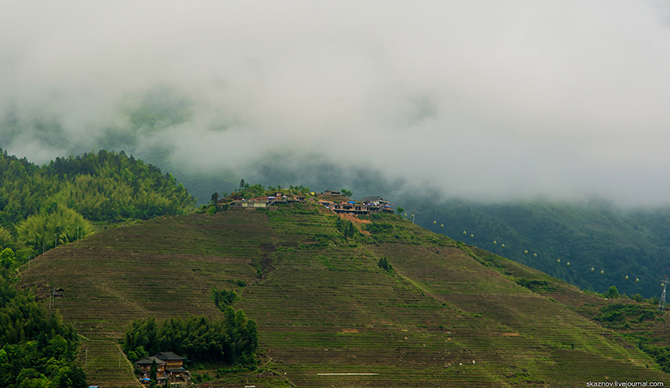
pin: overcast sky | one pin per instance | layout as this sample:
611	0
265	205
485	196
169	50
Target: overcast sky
483	99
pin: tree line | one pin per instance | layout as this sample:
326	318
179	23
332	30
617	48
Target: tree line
232	339
41	207
37	349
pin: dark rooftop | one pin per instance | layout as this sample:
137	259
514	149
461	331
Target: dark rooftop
168	356
149	360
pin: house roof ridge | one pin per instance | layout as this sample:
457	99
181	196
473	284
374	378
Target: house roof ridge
168	356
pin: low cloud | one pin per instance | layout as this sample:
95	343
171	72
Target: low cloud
486	101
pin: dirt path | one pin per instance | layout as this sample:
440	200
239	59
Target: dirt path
356	221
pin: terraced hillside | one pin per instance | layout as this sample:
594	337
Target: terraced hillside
327	314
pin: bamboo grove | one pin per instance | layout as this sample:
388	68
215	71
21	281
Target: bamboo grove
41	207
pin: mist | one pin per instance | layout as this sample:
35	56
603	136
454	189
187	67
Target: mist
479	100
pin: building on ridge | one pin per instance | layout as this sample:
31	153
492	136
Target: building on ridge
375	200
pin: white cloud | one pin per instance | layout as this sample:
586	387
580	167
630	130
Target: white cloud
483	99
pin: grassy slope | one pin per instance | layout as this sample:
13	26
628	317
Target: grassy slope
324	306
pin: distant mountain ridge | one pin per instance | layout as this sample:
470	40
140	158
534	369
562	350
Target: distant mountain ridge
589	235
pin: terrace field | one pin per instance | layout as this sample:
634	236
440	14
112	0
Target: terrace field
327	314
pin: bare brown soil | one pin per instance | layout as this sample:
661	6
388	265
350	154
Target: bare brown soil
356	221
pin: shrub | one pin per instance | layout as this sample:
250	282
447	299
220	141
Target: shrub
223	298
384	264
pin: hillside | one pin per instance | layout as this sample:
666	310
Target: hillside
41	207
446	315
588	235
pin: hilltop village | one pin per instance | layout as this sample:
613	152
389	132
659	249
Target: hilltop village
336	201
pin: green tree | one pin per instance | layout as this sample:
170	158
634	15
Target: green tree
223	298
6	239
153	372
232	338
612	293
7	258
215	201
70	377
400	210
384	264
346	193
60	221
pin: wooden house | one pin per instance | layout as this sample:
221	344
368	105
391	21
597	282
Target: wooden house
172	360
144	367
174	368
352	208
170	367
331	193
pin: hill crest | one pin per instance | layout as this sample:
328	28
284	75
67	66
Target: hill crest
446	313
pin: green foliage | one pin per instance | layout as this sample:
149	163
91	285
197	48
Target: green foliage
58	225
251	191
400	210
248	191
201	378
69	377
613	293
536	285
346	193
36	348
232	339
384	264
346	227
637	298
6	258
660	355
153	371
379	227
619	313
223	298
6	239
45	204
241	283
589	234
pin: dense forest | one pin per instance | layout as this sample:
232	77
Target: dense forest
593	245
41	207
37	349
232	339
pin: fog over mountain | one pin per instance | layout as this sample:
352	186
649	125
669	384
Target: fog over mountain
482	100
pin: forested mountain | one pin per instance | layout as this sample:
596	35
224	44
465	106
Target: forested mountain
44	206
593	245
36	348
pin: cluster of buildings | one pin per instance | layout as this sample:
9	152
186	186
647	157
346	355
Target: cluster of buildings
267	201
368	205
170	369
